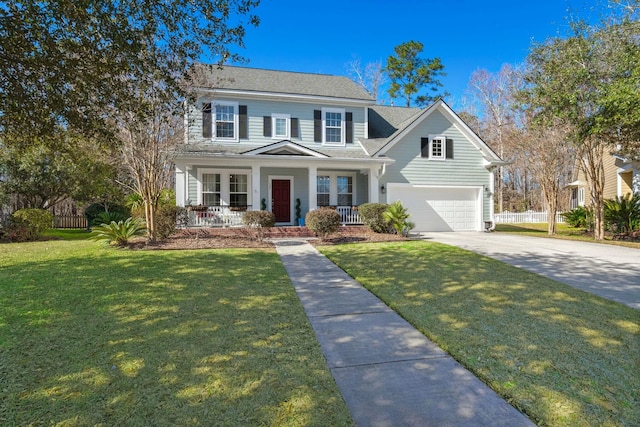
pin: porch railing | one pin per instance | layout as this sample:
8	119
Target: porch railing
349	215
216	216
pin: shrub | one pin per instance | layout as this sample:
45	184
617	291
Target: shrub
579	217
622	214
119	232
323	221
259	220
168	219
107	217
29	224
92	212
396	216
372	216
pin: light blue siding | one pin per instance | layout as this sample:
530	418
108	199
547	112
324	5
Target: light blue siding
465	169
256	110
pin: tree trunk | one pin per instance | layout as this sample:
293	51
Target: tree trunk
592	162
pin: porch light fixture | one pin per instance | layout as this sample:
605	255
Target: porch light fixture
382	189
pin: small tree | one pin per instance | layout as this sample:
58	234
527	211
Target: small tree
33	222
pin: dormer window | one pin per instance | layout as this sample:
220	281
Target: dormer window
220	121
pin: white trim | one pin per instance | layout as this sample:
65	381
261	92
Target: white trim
291	197
285	144
224	184
343	126
287	125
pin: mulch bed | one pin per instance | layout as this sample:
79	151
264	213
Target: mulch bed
219	238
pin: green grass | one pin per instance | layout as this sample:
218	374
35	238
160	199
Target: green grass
562	356
563	231
67	234
91	335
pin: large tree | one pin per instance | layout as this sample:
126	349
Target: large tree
589	83
67	62
409	74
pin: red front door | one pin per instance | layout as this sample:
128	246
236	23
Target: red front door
281	199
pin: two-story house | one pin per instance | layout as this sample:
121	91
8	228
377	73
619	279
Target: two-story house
293	142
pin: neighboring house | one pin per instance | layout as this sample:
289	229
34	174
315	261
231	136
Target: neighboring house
621	177
264	139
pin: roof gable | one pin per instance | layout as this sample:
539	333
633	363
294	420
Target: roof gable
284	148
441	106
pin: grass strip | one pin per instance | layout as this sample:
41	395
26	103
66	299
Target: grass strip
563	231
91	335
562	356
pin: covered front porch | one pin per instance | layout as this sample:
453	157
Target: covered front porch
219	189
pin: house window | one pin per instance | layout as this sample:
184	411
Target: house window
211	189
345	191
333	126
280	125
437	147
238	190
323	190
225	121
220	121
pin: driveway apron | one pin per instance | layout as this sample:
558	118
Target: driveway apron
612	272
388	373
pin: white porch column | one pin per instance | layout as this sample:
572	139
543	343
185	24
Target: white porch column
313	188
180	185
255	187
373	185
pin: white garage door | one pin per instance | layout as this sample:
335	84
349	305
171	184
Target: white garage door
440	208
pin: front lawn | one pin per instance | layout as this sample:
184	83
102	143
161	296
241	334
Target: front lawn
91	335
562	356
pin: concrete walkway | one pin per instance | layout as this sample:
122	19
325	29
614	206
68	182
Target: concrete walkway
388	373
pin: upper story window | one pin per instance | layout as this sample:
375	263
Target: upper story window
220	120
436	147
333	126
281	126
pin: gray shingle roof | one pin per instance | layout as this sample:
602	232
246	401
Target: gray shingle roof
261	80
384	121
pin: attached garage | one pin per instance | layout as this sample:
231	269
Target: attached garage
440	208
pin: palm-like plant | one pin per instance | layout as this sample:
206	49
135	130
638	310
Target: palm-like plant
397	215
119	232
623	213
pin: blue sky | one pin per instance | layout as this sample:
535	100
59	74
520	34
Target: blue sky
323	36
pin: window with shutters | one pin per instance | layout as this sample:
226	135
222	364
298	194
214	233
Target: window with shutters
333	126
220	121
436	147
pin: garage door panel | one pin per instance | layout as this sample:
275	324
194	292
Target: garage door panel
439	209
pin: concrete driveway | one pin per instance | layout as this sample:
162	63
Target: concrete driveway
609	271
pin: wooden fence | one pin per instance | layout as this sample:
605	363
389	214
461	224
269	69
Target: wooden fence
521	217
69	221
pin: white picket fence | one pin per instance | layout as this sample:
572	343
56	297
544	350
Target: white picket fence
520	217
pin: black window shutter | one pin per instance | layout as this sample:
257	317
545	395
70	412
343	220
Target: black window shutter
349	127
449	148
207	122
317	125
424	147
295	132
243	122
266	120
